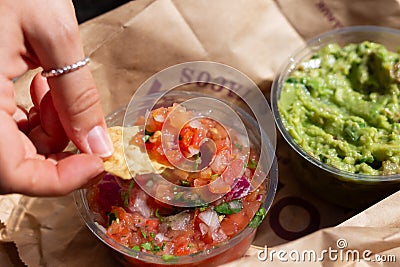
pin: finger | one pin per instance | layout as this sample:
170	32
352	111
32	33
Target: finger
23	172
29	148
49	119
49	135
33	118
74	94
62	178
21	118
38	89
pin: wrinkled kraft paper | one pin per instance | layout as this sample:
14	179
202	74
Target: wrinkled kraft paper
133	42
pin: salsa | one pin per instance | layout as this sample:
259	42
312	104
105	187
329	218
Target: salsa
143	223
342	107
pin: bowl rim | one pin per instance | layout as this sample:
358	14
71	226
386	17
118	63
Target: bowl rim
289	65
100	232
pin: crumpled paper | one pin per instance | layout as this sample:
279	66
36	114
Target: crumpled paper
129	44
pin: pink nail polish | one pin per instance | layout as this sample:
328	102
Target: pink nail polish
99	142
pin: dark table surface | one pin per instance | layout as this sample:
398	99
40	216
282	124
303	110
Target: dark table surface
87	9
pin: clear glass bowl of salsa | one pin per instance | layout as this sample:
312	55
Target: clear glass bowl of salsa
238	228
358	181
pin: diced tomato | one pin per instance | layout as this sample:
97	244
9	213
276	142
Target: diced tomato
199	182
156	119
186	137
200	134
240	219
251	208
220	161
205	174
233	171
182	242
152	224
229	226
219	186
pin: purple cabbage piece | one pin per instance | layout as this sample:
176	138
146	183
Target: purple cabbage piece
241	187
109	193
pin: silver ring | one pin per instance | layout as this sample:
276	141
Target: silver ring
66	69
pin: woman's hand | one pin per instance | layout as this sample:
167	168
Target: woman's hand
45	33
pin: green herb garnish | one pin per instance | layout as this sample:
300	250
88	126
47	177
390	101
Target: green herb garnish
167	257
126	194
238	146
144	234
161	218
147	246
147	135
213	176
185	183
197	161
258	218
203	208
231	207
112	217
178	195
252	164
136	248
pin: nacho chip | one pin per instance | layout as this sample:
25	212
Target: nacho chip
128	159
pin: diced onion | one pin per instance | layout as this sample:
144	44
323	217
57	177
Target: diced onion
210	218
179	221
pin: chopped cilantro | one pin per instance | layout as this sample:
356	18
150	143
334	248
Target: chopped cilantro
163	246
178	195
167	257
252	164
238	146
112	217
147	135
136	248
144	234
161	218
185	183
213	176
126	194
258	218
152	235
147	246
203	208
156	248
146	138
231	207
197	161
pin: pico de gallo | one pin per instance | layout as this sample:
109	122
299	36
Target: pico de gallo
142	223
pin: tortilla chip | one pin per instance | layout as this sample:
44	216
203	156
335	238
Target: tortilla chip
128	159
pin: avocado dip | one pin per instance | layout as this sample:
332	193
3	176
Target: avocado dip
342	107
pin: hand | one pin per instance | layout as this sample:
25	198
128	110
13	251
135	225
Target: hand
45	33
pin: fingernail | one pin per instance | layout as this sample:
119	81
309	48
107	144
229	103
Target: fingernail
99	142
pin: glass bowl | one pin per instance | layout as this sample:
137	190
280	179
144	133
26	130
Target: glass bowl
350	190
224	252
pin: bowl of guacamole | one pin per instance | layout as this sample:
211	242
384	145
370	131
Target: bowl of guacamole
336	102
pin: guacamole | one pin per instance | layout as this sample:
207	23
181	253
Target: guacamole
342	107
